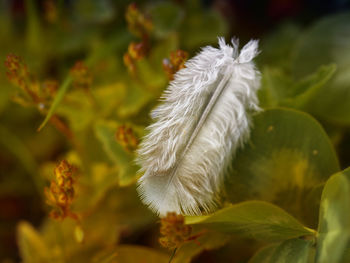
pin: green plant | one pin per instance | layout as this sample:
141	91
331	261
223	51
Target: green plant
287	198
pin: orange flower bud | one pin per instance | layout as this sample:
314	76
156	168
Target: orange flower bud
61	193
82	77
126	137
175	63
174	231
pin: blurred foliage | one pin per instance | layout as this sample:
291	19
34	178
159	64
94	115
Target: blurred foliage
87	73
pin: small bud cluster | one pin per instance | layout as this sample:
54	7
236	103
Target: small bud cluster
138	23
50	86
129	63
82	77
141	26
175	63
32	92
137	50
126	137
18	74
174	231
60	194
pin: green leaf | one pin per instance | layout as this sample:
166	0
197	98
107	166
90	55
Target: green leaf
159	52
202	28
33	26
104	51
58	98
150	72
293	251
152	80
256	219
5	92
82	108
306	87
275	87
207	241
128	174
312	204
314	49
333	241
89	11
105	132
136	99
332	102
31	246
15	146
166	17
131	254
263	255
120	214
288	154
277	46
103	178
278	88
289	251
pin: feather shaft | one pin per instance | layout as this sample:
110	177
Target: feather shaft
201	122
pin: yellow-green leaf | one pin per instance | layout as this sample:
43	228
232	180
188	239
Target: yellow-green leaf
166	17
131	254
314	48
105	132
58	98
333	241
289	251
279	89
288	154
206	241
256	219
31	245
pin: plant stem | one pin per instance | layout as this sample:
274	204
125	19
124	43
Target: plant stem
172	255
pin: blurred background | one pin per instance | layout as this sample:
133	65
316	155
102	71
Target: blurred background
103	64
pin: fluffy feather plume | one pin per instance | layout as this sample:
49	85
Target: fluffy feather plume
203	120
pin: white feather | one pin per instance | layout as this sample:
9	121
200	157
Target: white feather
203	120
